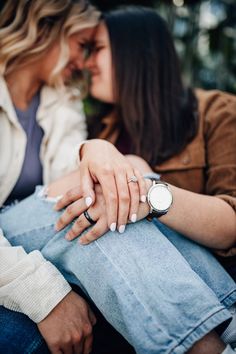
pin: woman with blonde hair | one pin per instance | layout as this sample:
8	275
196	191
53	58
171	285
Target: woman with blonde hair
41	122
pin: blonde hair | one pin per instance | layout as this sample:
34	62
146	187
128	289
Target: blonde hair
30	28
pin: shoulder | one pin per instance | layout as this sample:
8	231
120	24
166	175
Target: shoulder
216	107
67	97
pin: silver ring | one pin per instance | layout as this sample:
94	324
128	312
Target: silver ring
88	217
133	179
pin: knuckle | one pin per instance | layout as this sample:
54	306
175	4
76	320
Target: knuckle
88	330
93	234
69	210
113	197
124	197
66	340
54	345
72	233
78	223
107	170
77	337
69	195
120	171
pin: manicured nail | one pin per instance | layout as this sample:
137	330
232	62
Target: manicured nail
55	207
122	229
56	228
67	237
143	198
113	227
83	242
88	201
133	217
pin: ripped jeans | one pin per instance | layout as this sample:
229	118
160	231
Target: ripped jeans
161	296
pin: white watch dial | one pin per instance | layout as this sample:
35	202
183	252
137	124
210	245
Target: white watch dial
160	197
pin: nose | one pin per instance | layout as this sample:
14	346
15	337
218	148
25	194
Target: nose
79	62
89	62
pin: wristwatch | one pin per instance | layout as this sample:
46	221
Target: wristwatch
159	198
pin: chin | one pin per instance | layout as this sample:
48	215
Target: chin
101	97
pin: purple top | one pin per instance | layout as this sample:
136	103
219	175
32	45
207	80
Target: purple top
31	173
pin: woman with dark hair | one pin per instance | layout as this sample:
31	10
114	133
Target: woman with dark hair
162	291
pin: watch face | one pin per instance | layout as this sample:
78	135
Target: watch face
160	197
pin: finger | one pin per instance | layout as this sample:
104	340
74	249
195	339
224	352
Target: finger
109	190
88	344
134	197
99	229
142	186
54	350
78	227
92	317
78	347
124	198
68	348
87	186
72	211
70	196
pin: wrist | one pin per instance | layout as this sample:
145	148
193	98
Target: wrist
159	198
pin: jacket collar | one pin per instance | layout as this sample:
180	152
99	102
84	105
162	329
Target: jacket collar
48	97
6	101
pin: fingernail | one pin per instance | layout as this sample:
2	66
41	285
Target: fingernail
83	242
133	217
122	229
88	201
113	227
56	228
67	237
143	198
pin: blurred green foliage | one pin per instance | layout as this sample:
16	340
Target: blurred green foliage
205	38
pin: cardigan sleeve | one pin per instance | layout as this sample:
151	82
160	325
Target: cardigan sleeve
28	282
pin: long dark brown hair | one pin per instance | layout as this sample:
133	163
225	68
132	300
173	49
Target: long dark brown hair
158	113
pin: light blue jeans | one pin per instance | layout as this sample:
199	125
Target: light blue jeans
160	299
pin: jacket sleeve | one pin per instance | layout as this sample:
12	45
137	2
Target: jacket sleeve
221	150
28	283
220	139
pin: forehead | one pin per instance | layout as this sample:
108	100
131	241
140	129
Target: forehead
101	33
84	35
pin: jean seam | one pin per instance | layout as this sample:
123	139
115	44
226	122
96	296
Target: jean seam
34	346
31	230
198	326
225	298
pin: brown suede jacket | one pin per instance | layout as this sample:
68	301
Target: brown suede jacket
208	163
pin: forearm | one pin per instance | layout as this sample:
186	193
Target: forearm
207	220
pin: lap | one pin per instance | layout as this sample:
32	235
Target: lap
19	334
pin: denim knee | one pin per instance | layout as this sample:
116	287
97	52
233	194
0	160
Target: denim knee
19	335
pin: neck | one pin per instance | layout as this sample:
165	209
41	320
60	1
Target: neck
23	84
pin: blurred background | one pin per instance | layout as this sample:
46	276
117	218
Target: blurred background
205	37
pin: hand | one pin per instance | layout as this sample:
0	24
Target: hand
102	163
75	210
97	212
68	327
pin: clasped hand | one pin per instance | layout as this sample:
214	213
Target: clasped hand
106	190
